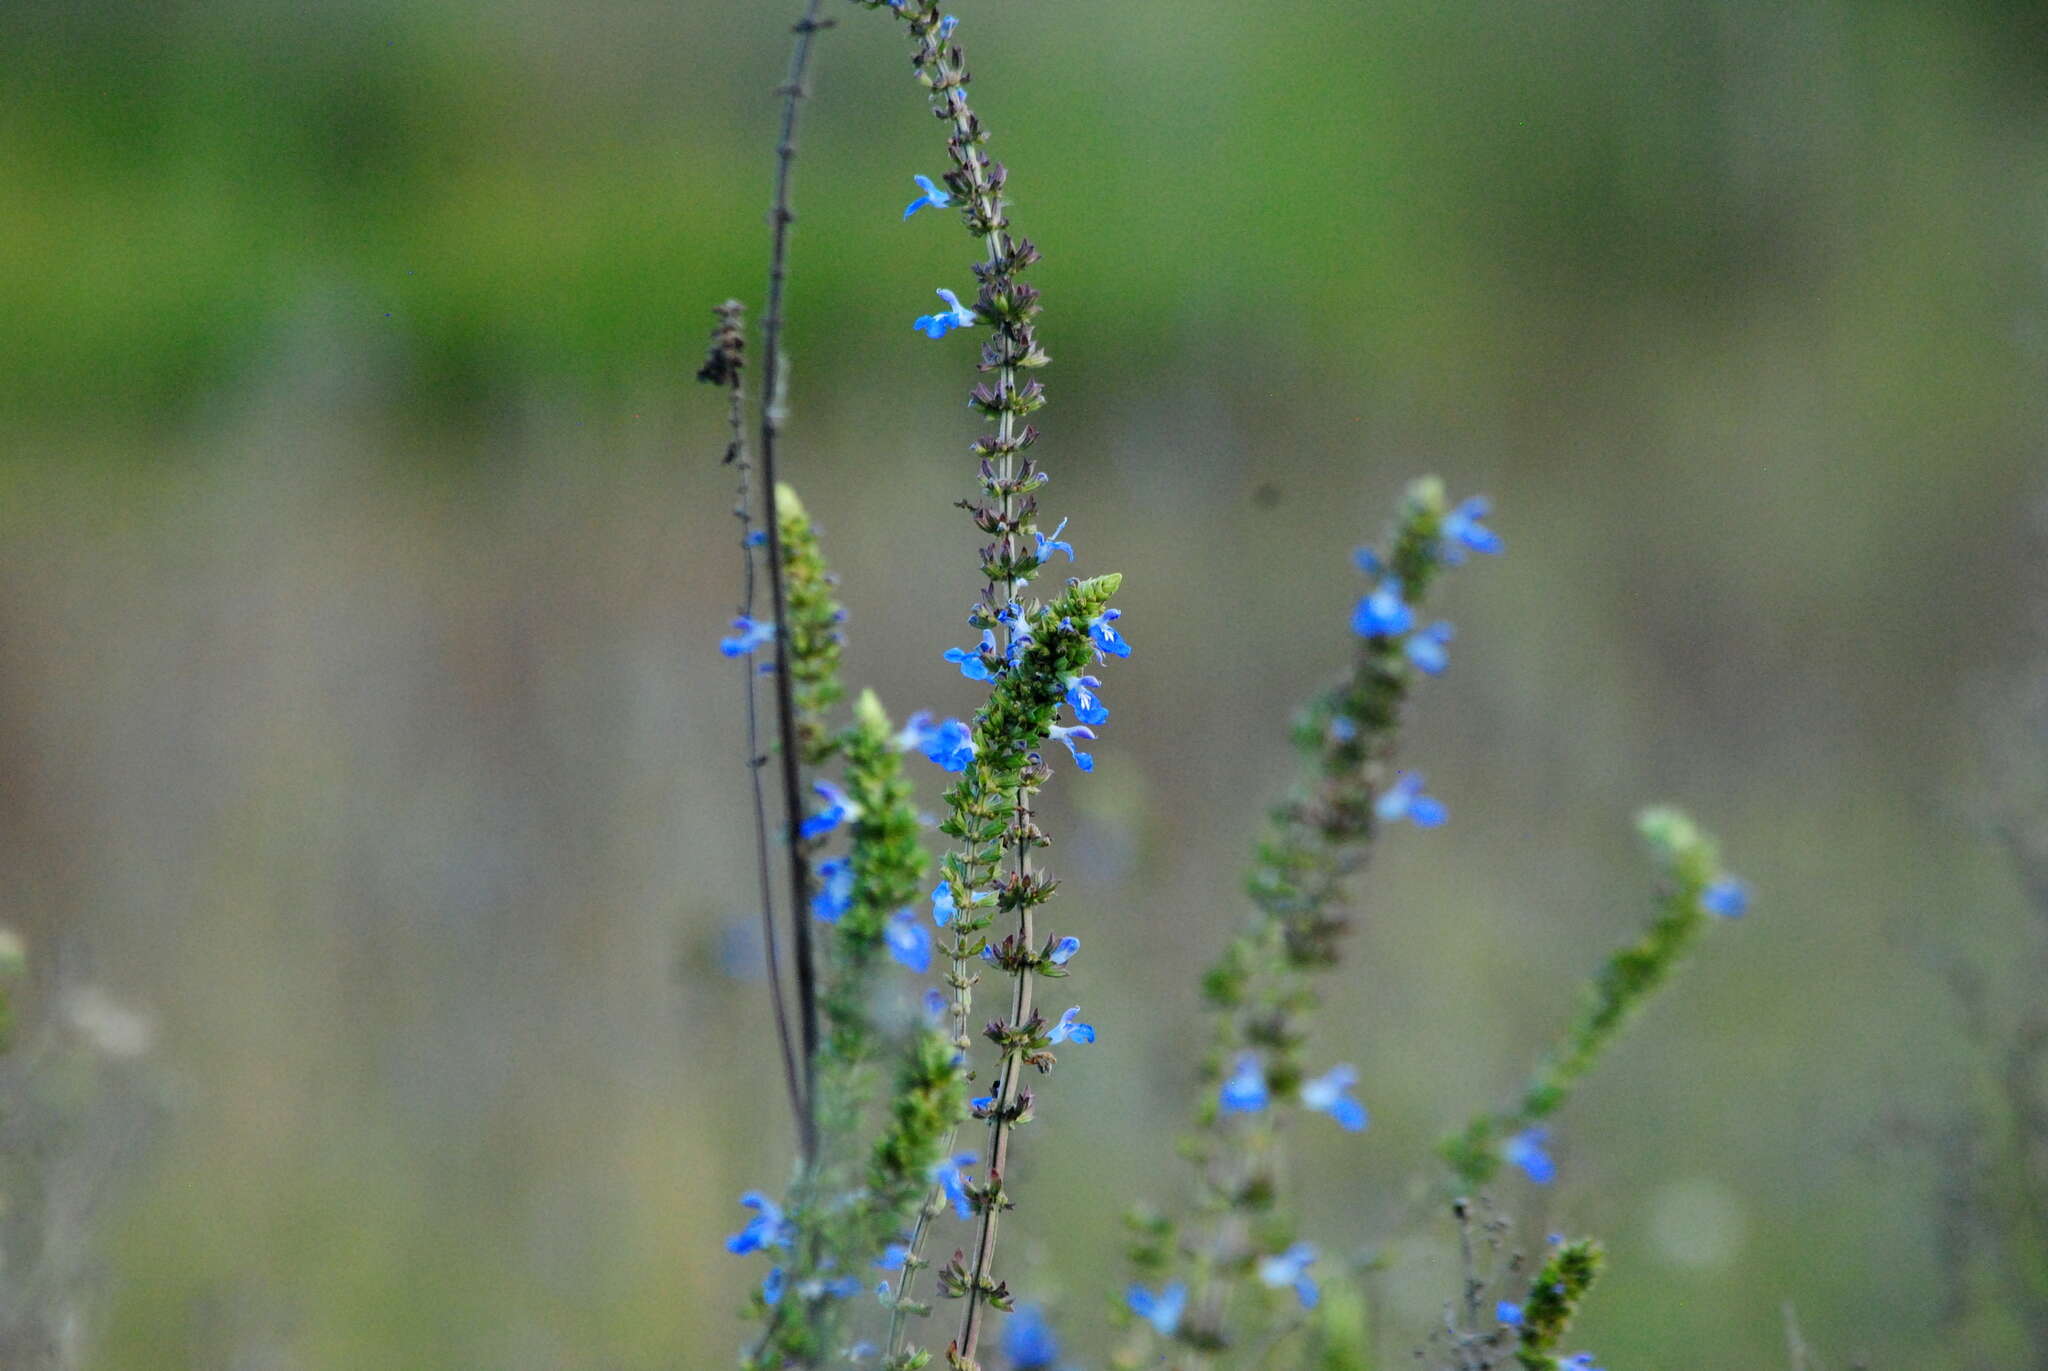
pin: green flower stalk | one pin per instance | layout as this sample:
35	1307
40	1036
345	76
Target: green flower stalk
991	809
1262	986
848	1202
1693	890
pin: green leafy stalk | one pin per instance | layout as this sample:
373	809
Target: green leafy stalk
1263	984
1689	867
990	810
849	1199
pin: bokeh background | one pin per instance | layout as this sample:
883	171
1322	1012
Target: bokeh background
371	806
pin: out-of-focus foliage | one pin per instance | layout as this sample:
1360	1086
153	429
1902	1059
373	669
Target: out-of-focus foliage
363	554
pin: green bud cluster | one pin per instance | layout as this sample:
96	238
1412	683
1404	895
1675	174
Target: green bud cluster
889	864
813	625
1555	1294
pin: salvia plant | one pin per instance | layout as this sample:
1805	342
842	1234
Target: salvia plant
882	926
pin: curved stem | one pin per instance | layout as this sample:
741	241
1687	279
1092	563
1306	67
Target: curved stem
774	382
728	343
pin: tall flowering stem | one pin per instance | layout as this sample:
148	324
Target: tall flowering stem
724	365
990	809
1263	985
1693	891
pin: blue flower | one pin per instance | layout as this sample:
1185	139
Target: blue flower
949	742
1069	1029
766	1229
834	895
771	1285
1067	735
1579	1361
912	734
971	660
1462	529
1082	699
1063	951
1291	1268
934	1005
1244	1089
1728	897
756	538
1404	800
1525	1150
839	807
1383	614
1108	642
1427	648
893	1257
945	904
1162	1310
950	745
946	320
750	635
1509	1313
933	196
946	23
1368	561
1028	1341
1048	546
910	942
947	1174
837	1287
1330	1093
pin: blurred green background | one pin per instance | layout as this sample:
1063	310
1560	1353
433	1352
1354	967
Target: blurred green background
371	777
